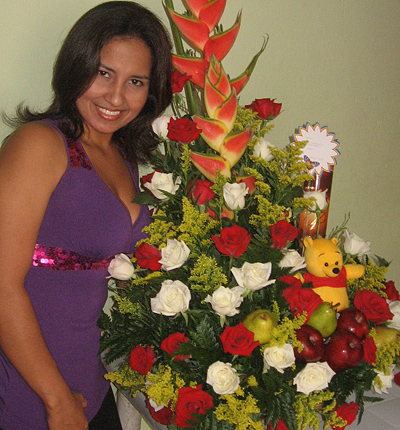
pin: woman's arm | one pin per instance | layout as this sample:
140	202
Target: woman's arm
32	162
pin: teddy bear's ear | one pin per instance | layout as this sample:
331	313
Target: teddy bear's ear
335	240
307	241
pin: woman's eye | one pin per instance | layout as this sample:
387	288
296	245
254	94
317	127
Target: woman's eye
103	73
136	82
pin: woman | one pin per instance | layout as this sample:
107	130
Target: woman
67	180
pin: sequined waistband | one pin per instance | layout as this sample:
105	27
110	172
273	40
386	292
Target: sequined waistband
59	259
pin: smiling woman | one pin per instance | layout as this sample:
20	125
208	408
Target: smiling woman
119	91
75	168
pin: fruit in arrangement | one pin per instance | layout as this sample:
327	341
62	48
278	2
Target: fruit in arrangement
384	335
324	319
261	322
343	351
312	342
353	320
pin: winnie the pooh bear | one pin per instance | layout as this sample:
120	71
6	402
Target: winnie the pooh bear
324	264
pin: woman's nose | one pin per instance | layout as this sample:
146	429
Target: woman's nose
115	93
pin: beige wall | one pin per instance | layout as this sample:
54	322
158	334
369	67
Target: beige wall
335	63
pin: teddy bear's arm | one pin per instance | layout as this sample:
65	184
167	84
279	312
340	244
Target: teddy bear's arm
354	271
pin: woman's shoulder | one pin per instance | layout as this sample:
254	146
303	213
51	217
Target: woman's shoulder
36	137
37	143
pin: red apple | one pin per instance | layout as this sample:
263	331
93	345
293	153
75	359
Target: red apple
312	342
353	320
343	351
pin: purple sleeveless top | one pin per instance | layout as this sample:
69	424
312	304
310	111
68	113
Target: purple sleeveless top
84	226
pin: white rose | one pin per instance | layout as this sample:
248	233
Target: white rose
253	276
262	149
163	182
121	267
174	254
225	301
386	381
315	376
156	406
354	245
320	200
222	377
173	297
160	125
279	357
292	259
234	195
394	307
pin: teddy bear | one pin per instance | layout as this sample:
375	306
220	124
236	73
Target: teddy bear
325	269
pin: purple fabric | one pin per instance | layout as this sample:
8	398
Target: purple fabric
83	218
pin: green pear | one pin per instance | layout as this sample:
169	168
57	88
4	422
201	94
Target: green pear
261	322
324	319
385	335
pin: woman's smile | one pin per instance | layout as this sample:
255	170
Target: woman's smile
120	89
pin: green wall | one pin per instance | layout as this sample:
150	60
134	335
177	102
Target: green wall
335	63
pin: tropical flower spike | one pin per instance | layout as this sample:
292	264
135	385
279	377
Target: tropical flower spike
221	106
196	31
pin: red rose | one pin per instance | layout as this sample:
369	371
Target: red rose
141	359
348	412
279	426
282	232
162	416
369	350
178	81
191	400
146	178
201	191
182	130
171	344
265	108
148	257
375	308
391	291
301	299
238	340
397	378
233	241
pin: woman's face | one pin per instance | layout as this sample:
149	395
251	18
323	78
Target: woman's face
119	91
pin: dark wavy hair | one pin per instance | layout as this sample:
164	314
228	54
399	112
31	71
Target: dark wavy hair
78	62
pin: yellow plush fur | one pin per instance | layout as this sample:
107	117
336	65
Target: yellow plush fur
324	260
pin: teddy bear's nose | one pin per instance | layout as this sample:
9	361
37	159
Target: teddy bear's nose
336	270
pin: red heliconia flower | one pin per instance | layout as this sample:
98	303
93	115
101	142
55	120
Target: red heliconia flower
196	30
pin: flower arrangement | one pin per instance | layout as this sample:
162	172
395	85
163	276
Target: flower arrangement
210	317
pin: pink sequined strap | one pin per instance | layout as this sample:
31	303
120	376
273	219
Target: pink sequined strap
60	259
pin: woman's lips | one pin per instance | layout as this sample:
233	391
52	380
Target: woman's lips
109	114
